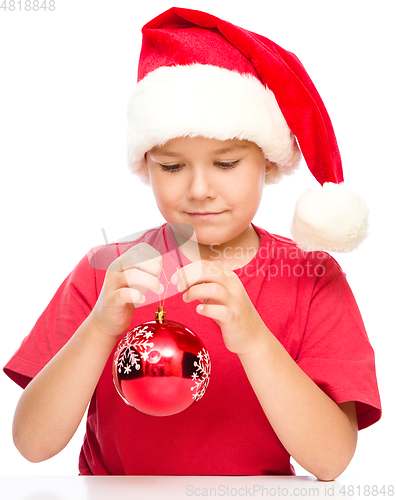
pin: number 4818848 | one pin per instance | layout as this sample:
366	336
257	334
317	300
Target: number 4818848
28	5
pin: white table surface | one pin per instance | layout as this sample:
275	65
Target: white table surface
184	487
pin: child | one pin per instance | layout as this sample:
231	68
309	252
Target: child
217	112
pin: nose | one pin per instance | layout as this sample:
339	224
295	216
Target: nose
200	185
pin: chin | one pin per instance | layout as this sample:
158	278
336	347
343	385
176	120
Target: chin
210	238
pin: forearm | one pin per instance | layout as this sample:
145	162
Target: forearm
311	426
53	404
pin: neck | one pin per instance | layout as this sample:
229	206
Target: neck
233	254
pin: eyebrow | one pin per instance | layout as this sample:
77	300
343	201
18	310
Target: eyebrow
216	152
230	149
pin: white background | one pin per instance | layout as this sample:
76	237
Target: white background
66	77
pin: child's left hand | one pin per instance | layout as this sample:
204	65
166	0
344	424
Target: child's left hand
225	301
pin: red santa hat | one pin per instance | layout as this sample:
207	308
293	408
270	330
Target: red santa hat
202	76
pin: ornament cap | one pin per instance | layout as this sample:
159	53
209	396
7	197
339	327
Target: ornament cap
160	315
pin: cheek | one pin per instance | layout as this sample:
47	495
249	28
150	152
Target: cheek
258	179
248	190
165	191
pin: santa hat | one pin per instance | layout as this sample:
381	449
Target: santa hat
202	76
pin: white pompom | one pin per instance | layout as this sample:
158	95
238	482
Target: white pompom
332	218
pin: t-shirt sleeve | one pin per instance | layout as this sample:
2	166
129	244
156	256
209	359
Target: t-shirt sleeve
70	306
335	351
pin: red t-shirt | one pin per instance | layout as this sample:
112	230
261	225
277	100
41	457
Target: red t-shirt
304	300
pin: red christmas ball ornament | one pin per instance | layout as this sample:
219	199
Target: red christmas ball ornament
161	367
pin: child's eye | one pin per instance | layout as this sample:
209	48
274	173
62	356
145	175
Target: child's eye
227	165
171	168
178	166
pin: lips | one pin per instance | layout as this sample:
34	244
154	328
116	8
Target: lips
204	215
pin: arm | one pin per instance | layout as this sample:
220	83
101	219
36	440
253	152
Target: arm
53	404
319	434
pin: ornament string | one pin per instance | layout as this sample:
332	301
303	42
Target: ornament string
166	289
177	268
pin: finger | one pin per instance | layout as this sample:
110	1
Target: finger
137	254
188	275
152	266
213	292
219	313
198	272
123	296
141	254
136	278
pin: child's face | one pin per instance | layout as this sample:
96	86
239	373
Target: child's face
214	186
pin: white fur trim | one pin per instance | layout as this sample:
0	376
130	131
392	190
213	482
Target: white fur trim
332	218
208	101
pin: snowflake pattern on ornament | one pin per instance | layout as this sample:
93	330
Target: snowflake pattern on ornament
134	348
201	375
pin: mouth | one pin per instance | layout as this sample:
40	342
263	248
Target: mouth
203	215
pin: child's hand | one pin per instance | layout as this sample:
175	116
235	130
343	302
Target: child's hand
127	280
225	301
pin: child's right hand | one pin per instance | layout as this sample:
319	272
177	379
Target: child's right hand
127	280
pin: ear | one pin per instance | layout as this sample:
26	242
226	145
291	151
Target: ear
269	166
142	171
